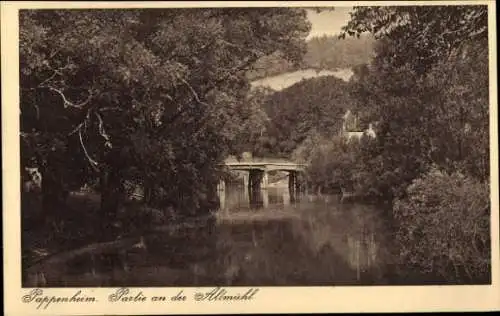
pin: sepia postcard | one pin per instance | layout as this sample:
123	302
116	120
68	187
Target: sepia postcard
249	157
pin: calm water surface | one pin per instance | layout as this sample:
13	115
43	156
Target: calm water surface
271	241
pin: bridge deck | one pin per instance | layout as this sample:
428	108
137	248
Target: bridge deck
264	164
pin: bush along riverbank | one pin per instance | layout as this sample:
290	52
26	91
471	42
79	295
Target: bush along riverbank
430	157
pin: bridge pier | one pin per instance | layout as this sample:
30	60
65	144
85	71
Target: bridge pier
292	185
221	192
257	184
254	186
264	182
265	198
286	197
221	186
254	180
246	176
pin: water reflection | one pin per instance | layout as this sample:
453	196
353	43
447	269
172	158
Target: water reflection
264	239
336	243
237	198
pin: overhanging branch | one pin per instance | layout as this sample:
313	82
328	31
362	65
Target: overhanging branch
92	162
193	92
102	131
68	103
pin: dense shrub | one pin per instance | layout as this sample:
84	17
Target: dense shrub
335	165
443	227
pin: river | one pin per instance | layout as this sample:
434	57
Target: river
311	241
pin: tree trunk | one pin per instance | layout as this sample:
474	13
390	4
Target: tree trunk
53	197
112	193
149	193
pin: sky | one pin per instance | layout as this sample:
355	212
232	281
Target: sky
328	22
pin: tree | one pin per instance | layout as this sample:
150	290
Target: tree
149	97
445	233
420	35
428	90
254	124
330	52
399	91
461	117
305	108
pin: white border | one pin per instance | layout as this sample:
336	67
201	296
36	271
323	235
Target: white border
269	299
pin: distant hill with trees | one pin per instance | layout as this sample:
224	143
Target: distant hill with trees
310	110
330	52
306	109
325	52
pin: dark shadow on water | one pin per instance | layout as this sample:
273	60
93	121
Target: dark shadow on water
272	252
312	242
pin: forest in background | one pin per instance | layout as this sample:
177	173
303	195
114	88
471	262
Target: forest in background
323	53
308	109
297	119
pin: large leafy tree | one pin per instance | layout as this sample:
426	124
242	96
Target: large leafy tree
420	36
426	87
428	91
148	97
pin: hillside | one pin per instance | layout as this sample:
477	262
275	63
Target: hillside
308	108
268	66
323	53
329	52
310	99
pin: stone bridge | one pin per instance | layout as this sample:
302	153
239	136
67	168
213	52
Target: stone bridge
257	176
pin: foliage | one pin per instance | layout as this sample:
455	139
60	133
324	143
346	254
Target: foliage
149	97
254	122
427	91
459	122
270	65
420	35
325	53
306	150
308	107
444	226
330	52
337	164
331	166
426	87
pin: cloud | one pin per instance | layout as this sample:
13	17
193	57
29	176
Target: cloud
328	22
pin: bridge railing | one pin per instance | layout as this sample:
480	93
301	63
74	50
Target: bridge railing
259	160
254	160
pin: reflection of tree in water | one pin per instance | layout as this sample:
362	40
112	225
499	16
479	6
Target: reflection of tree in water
269	253
362	252
313	244
349	231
